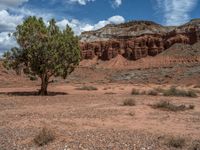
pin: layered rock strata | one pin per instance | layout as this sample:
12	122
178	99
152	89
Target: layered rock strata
136	39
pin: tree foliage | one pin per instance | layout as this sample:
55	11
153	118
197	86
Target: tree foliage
44	51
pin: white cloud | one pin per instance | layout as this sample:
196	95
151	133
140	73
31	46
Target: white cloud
79	27
4	4
9	22
75	24
6	42
8	25
81	2
32	12
11	16
116	19
116	3
176	12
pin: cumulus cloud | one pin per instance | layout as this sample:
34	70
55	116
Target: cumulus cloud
116	19
7	25
176	12
23	11
79	26
6	42
4	4
116	3
81	2
12	15
9	22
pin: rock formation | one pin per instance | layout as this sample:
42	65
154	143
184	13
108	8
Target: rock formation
137	39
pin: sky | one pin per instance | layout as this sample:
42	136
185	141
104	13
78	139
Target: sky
86	15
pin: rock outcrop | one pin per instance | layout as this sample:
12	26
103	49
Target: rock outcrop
137	39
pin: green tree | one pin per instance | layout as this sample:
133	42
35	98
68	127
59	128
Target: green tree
44	51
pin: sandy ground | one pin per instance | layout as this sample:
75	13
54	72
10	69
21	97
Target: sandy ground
93	120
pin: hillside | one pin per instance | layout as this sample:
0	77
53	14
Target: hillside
9	78
183	50
136	39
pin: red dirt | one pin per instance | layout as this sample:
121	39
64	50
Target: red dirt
93	119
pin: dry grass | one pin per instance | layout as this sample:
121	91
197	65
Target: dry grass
44	137
197	86
164	105
153	93
172	91
129	102
177	92
106	88
131	114
110	93
176	142
195	145
87	88
135	92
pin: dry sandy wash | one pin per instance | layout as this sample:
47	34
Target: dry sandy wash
97	119
94	120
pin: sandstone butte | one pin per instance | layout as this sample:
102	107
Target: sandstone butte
136	39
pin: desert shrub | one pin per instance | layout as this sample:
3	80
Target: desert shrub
153	93
176	142
32	78
87	88
197	86
195	145
176	92
110	93
135	92
131	114
191	93
44	137
160	90
129	102
191	107
164	105
106	88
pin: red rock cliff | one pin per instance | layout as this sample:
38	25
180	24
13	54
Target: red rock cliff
137	39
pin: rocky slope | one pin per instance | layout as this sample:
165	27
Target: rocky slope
136	39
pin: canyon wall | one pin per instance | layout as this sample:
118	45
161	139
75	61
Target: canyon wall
136	39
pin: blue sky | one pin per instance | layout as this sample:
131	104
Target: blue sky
85	15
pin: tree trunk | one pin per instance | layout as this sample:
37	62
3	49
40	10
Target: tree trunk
44	85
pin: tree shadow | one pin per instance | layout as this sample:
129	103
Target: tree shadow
31	93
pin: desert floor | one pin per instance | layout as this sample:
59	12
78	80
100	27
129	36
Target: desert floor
95	120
